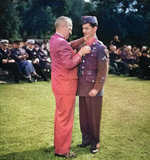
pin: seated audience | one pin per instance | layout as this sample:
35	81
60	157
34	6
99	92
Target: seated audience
115	61
45	60
19	55
6	62
34	56
144	64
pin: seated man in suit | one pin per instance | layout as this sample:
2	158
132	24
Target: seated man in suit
6	62
19	55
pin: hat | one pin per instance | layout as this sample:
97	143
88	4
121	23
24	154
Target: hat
89	19
31	41
4	41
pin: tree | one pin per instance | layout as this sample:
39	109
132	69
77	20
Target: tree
9	21
129	19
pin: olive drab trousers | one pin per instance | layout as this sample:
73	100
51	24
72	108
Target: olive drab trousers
90	109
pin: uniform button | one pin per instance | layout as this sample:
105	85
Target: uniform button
92	80
93	43
82	66
83	61
91	54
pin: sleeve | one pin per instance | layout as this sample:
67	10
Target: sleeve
68	59
75	44
1	58
14	56
103	64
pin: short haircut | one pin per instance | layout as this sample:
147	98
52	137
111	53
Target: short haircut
67	21
93	25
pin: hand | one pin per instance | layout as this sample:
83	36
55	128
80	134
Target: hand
11	61
20	57
93	93
85	50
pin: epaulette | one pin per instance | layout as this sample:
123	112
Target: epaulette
100	42
105	50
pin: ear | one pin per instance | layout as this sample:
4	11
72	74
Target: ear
95	28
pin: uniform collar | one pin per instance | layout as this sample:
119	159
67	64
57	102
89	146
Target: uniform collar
91	41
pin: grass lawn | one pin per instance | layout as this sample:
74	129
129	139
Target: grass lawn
27	121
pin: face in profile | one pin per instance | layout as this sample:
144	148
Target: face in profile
67	30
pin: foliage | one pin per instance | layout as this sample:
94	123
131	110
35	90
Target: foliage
129	19
10	22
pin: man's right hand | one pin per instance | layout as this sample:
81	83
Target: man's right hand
85	50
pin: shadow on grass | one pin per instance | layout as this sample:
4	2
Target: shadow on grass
43	154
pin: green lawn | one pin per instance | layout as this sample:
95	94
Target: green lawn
27	121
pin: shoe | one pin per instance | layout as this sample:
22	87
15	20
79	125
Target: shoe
46	80
82	145
36	76
93	151
24	77
30	81
66	155
17	82
35	79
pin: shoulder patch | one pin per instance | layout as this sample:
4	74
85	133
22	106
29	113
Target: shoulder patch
106	52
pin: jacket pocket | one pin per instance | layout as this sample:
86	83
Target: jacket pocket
90	78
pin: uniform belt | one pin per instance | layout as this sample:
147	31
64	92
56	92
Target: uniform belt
90	72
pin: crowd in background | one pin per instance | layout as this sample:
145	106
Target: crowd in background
33	59
26	59
129	60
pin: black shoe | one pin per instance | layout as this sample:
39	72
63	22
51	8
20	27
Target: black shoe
46	80
66	155
24	77
17	82
35	79
36	76
30	81
82	145
94	150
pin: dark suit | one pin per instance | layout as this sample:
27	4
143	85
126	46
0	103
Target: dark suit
33	54
25	66
10	66
92	75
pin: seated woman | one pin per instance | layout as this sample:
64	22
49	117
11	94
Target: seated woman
129	60
115	61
